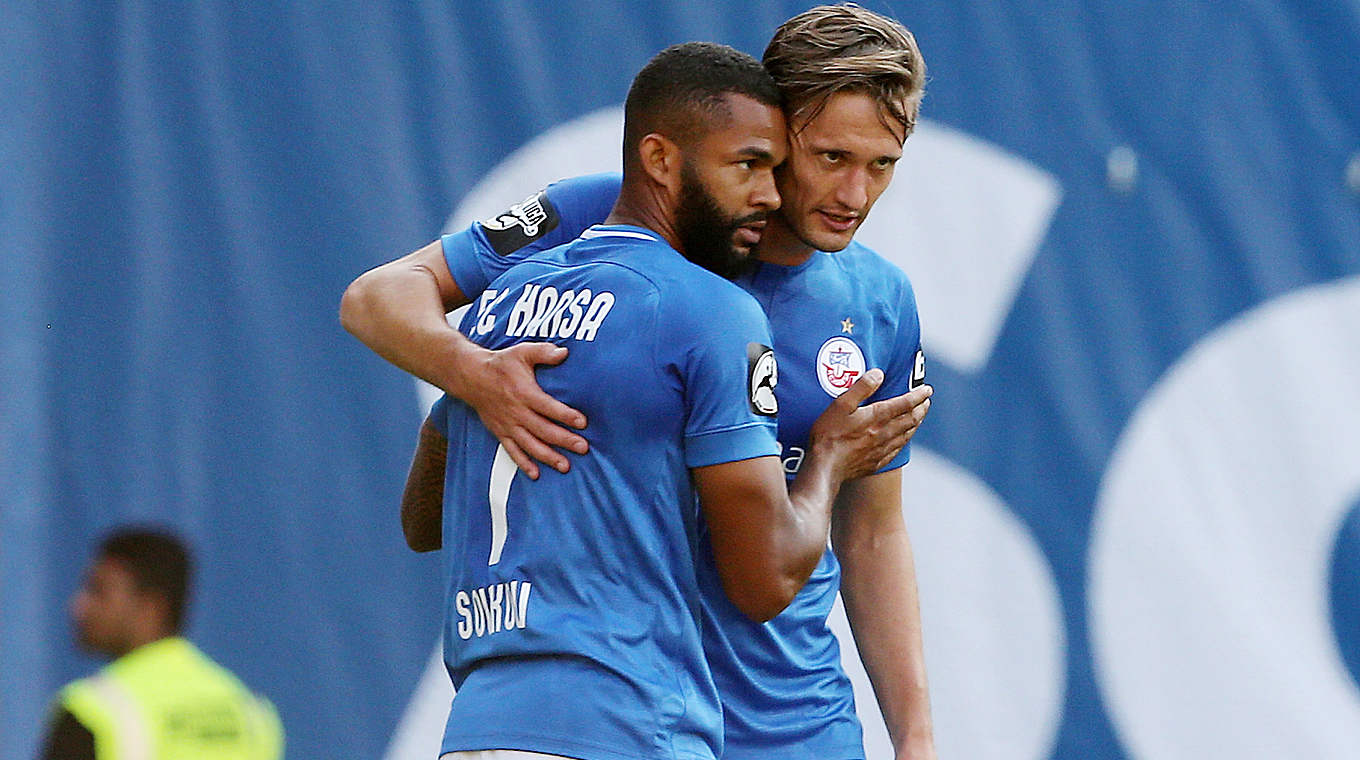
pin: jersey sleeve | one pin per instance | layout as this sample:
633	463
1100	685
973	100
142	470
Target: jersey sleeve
439	415
906	368
722	344
558	214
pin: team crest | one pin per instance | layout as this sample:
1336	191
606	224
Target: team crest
840	362
521	224
763	376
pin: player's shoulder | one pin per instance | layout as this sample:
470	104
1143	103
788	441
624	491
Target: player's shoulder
579	202
551	216
698	288
587	188
647	262
860	258
691	294
880	278
614	253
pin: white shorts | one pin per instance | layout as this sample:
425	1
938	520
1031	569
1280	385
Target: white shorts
499	754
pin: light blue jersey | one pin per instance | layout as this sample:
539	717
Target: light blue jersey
783	690
573	618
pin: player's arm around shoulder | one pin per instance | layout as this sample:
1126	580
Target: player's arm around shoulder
399	310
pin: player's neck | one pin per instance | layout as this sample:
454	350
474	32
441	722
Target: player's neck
778	245
643	207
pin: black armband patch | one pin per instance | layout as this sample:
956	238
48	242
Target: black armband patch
521	224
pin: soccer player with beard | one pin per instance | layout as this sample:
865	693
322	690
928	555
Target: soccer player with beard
852	81
572	623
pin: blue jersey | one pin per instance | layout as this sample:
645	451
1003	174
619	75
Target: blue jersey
572	623
834	316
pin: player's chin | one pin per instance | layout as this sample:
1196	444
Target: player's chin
832	242
740	260
741	251
743	243
823	239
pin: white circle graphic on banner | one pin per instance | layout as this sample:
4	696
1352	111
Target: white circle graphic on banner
992	621
840	362
1212	537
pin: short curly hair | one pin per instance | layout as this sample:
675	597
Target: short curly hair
158	562
846	48
679	93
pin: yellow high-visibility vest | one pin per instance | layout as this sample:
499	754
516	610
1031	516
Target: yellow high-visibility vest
168	701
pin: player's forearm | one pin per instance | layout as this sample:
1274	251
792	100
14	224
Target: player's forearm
422	501
878	587
807	520
396	310
766	541
845	441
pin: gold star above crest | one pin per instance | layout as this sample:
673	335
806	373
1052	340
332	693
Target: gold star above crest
847	326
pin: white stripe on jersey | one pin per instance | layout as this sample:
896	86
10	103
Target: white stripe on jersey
597	232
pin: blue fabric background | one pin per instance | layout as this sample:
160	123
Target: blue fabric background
186	188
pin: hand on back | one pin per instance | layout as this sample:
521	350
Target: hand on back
529	423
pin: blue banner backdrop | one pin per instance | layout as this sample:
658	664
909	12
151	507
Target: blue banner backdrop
1135	234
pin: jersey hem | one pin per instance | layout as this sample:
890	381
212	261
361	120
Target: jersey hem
848	752
556	746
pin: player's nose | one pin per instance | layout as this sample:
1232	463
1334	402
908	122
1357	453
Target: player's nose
853	191
764	194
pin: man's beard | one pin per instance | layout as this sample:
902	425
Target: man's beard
706	234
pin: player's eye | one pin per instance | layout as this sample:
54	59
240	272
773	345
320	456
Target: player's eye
832	156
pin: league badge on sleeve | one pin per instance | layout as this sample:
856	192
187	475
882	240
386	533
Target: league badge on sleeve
918	370
762	377
840	362
521	224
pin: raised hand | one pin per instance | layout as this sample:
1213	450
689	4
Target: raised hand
860	440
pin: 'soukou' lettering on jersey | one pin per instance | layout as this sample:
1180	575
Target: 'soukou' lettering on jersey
491	609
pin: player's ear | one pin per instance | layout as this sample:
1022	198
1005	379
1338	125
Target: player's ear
661	159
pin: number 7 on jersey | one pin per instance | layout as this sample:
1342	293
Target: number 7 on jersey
503	471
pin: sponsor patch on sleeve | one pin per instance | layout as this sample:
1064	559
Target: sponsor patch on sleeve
521	224
918	370
762	377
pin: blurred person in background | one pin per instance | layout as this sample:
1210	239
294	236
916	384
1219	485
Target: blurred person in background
160	698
